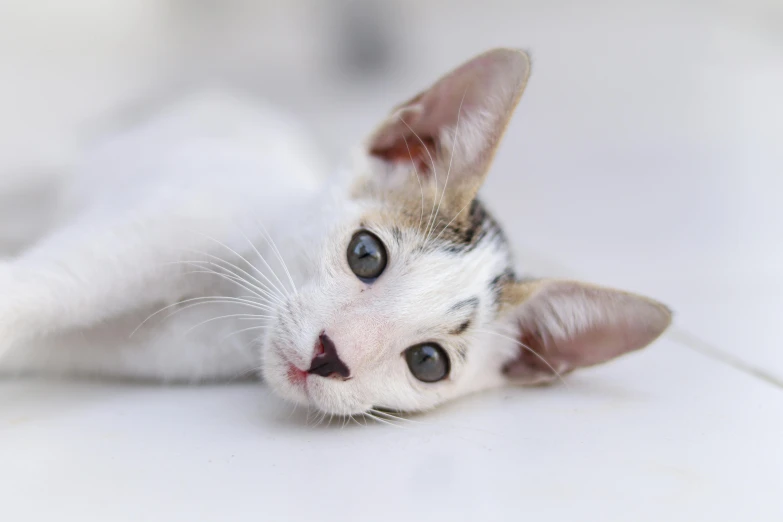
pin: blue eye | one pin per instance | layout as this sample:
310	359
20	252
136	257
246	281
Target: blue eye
428	362
366	255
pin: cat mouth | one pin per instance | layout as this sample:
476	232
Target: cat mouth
296	376
293	373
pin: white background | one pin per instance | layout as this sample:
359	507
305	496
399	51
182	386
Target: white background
646	153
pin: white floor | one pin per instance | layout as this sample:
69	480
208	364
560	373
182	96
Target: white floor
665	435
645	154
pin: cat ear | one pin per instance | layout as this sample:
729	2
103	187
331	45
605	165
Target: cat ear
454	127
567	325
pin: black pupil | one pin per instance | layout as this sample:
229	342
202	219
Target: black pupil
366	255
427	362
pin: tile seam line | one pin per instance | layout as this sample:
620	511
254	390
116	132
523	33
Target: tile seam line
683	337
693	342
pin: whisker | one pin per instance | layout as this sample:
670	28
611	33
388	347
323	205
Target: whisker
272	244
315	419
526	347
382	421
421	187
240	283
380	415
208	300
254	298
263	327
448	172
240	257
293	410
175	312
234	277
245	373
395	417
266	289
450	222
432	162
225	317
282	289
237	300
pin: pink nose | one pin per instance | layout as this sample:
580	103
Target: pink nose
326	362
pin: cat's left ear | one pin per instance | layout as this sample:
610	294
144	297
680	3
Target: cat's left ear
565	325
454	127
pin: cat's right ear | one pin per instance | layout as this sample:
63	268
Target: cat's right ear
451	130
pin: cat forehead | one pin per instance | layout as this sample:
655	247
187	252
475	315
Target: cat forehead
435	229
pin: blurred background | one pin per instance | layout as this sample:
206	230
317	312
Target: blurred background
646	153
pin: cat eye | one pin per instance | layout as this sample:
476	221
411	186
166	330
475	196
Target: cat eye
366	255
428	362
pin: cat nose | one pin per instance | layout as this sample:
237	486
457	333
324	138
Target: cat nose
326	362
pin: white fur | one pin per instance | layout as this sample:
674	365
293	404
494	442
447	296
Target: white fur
212	167
373	325
179	211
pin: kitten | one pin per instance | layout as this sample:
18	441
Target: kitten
389	285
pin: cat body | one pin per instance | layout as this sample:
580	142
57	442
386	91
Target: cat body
200	179
208	243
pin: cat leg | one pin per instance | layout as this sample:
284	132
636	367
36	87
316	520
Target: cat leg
181	345
102	265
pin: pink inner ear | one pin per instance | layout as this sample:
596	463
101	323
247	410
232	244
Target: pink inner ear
408	149
545	355
481	94
595	345
413	134
570	326
533	363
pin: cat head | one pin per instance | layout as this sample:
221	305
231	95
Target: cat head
411	297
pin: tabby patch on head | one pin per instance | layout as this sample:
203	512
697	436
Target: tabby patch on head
413	294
